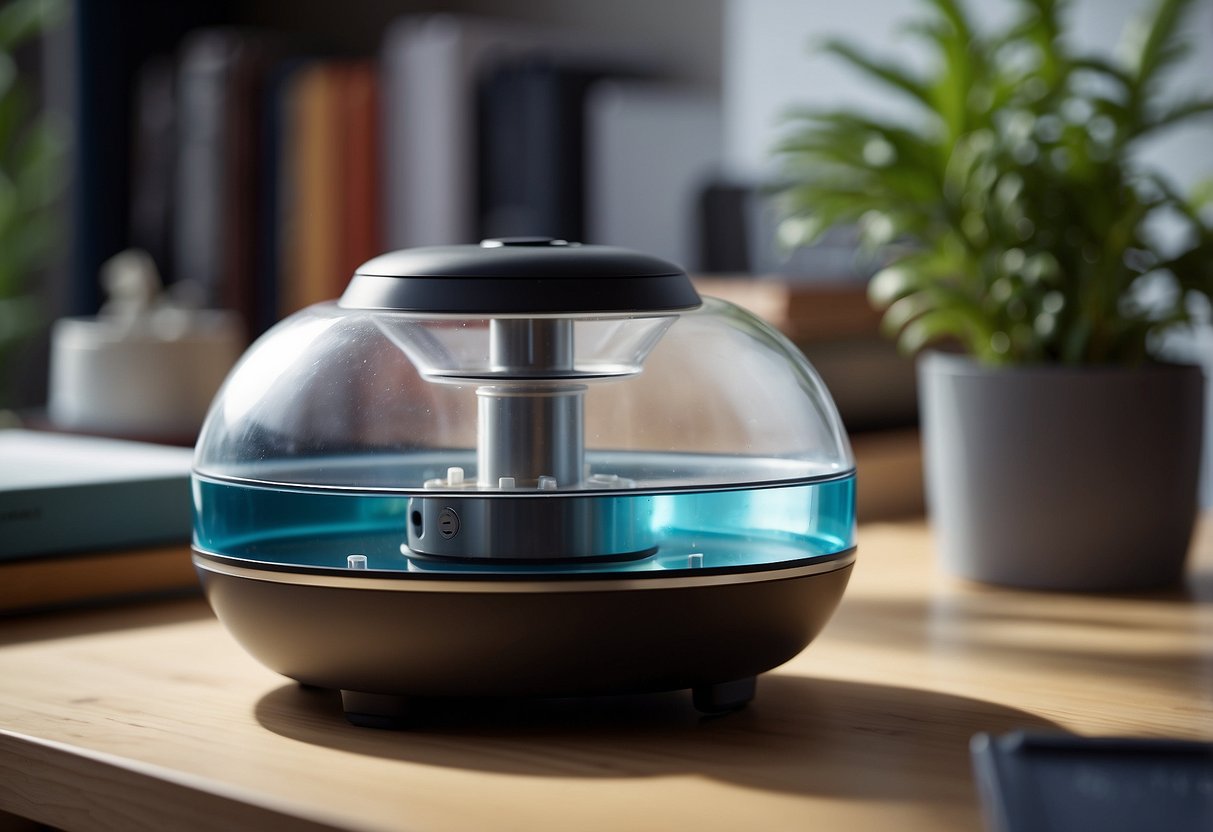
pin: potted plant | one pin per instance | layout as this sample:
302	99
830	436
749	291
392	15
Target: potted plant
1016	222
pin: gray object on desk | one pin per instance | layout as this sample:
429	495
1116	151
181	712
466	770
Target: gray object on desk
1044	783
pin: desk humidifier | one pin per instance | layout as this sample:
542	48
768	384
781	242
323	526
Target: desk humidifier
524	468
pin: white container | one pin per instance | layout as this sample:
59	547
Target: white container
153	377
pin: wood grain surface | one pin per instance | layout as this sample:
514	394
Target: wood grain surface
151	717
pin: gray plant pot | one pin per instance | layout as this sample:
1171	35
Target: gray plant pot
1082	479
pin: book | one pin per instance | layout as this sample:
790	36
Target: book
431	65
153	160
360	166
328	195
221	76
207	67
654	145
62	493
310	202
275	193
531	150
37	583
91	66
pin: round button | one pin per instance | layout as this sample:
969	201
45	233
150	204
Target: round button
448	523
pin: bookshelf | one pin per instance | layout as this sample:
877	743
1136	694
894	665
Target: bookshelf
259	150
183	115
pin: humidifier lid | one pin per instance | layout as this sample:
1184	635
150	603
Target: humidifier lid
520	276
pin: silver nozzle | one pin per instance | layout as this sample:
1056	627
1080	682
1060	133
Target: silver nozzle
530	422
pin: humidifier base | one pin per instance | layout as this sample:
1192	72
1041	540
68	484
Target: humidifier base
385	640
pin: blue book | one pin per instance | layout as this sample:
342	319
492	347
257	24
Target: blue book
61	494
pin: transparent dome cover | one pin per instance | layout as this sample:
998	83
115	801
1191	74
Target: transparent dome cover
714	394
423	441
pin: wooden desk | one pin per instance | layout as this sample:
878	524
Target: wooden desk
151	717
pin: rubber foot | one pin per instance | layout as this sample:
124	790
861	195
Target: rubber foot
724	697
375	710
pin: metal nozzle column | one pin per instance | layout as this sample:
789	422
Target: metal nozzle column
530	425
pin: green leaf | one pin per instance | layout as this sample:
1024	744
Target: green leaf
1177	114
910	146
954	14
887	73
14	110
903	310
1171	198
1157	31
1098	65
892	283
1076	341
10	203
950	94
20	20
39	163
8	73
936	325
1201	196
20	317
1193	269
27	251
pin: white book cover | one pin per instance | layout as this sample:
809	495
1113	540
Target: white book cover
651	148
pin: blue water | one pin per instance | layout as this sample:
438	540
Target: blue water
318	527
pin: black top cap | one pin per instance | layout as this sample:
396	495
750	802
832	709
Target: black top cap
519	276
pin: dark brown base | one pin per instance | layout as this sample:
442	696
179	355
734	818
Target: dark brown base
377	644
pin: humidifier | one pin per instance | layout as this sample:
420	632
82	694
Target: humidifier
523	468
